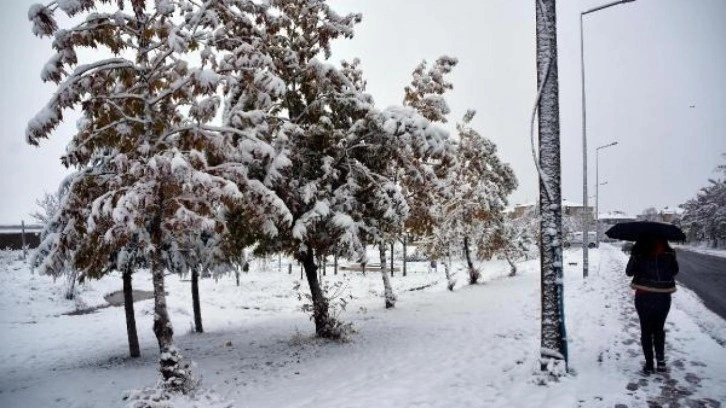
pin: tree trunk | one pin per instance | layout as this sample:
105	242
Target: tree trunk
319	262
553	342
450	282
512	265
335	262
389	296
195	300
22	238
323	322
133	337
175	376
474	275
71	284
391	259
404	254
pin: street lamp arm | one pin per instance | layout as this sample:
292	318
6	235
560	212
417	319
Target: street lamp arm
607	145
604	6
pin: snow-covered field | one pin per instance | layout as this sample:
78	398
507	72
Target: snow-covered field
475	347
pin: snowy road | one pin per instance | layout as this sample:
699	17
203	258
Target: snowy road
475	347
705	275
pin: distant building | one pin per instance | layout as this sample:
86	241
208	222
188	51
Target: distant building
571	209
12	236
577	210
520	210
666	214
671	215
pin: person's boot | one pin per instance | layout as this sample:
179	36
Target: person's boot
661	366
648	368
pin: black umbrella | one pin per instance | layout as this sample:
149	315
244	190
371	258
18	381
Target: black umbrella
632	231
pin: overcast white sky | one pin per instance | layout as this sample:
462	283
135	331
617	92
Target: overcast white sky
647	62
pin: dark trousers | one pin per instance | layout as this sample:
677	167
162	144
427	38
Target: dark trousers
652	310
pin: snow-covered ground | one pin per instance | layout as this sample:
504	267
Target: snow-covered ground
475	347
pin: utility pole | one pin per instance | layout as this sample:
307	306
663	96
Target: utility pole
585	219
553	356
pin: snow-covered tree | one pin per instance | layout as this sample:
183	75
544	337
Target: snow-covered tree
704	216
426	93
151	172
516	242
420	177
650	214
472	200
335	148
48	207
484	183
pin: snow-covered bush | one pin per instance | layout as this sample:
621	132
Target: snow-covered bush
159	397
338	298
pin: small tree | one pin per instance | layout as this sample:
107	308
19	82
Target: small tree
650	214
473	199
516	242
426	192
49	206
704	216
148	162
485	183
334	147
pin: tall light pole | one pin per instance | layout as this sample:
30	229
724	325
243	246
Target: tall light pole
585	221
597	190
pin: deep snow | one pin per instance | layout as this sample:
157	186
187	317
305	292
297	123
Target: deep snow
475	347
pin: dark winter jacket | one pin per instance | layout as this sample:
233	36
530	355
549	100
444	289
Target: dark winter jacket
653	273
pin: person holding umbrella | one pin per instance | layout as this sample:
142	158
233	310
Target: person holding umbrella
653	266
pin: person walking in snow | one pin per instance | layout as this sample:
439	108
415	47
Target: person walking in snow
653	266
